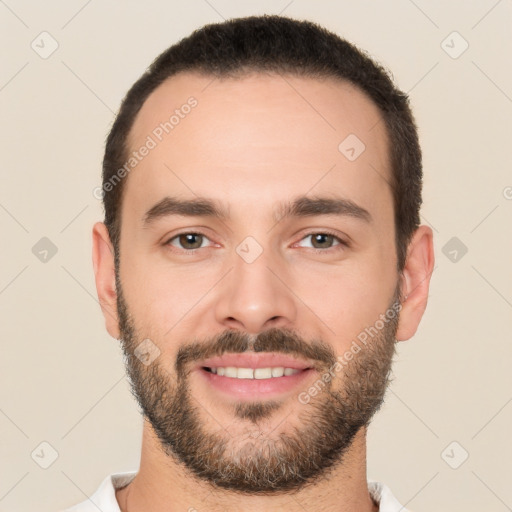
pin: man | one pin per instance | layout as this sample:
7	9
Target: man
259	353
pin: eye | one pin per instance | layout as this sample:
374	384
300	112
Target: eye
187	241
323	241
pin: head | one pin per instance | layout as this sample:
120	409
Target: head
290	162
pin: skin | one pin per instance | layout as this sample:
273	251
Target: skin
251	143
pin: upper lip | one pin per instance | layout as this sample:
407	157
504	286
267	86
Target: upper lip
257	360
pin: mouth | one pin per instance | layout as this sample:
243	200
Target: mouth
256	361
254	375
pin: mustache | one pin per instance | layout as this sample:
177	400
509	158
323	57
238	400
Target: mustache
276	340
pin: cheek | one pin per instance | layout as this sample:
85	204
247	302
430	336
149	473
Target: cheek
164	297
344	308
346	298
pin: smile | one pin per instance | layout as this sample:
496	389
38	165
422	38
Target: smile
253	373
254	383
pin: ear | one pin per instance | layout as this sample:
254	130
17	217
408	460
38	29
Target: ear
105	277
418	268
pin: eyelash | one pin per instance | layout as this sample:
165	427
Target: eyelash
342	243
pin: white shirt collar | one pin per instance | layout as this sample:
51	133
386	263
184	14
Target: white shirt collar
105	500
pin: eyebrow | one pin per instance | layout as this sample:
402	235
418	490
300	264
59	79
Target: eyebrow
302	206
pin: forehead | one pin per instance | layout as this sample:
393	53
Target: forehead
257	139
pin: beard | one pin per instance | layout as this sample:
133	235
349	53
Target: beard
268	462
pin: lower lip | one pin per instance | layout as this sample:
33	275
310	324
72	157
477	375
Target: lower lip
255	388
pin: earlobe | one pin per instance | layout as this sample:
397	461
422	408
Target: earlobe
104	274
417	271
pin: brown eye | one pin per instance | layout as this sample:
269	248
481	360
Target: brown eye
322	240
189	241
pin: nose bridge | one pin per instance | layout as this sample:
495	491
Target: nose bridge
254	297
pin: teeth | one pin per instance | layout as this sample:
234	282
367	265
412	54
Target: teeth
257	373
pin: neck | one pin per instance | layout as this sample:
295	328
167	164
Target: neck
162	485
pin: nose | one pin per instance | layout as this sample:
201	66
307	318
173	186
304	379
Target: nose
255	296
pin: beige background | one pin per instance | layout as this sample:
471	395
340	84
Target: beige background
62	376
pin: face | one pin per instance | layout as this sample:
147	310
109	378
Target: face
286	260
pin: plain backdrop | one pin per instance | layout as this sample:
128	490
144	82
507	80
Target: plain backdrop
442	440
